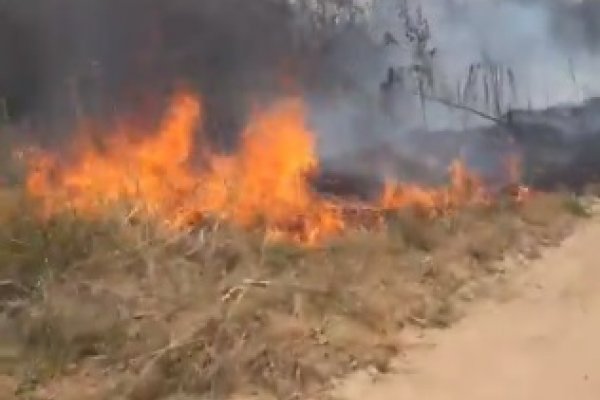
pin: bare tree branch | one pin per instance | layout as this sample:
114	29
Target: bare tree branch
451	104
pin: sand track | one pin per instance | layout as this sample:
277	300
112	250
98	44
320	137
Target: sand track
542	343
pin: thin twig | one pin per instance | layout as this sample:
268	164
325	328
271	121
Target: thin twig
451	104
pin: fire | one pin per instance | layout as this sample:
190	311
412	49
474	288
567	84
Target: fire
265	184
133	167
277	155
464	189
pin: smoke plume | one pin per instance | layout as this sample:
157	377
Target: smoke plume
100	58
63	60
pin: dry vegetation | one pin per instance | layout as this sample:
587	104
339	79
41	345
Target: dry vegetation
120	308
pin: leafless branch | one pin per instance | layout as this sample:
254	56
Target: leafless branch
451	104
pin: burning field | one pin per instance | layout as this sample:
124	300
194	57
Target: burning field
146	265
265	184
277	223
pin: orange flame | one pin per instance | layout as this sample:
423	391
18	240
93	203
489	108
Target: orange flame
153	168
464	189
264	184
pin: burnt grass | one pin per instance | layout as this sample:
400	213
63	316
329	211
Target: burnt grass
120	308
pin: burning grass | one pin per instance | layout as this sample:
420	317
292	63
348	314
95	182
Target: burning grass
131	270
123	307
266	183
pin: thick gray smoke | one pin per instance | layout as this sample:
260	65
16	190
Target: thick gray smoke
550	48
64	59
119	50
542	54
574	23
550	44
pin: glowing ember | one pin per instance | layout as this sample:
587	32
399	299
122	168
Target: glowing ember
265	184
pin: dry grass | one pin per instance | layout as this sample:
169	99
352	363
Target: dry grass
147	314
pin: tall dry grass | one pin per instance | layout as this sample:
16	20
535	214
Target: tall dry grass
215	310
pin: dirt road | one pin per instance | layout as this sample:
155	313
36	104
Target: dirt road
542	343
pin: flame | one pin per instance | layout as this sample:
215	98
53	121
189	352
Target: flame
133	167
464	189
265	182
263	185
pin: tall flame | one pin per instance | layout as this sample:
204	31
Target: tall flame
264	184
133	166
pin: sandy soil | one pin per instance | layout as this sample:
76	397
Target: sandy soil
541	343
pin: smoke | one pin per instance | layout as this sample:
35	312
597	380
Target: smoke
551	46
573	23
67	59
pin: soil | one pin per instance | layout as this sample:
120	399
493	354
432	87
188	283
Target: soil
537	340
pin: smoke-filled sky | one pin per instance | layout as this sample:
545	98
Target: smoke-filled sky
553	47
126	54
547	42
